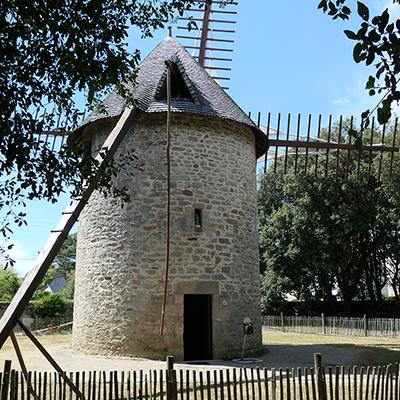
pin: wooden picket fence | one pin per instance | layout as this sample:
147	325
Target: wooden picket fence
344	326
320	383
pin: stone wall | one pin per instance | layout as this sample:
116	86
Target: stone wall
121	251
29	318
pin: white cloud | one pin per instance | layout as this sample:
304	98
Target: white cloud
354	99
23	260
340	101
394	10
380	5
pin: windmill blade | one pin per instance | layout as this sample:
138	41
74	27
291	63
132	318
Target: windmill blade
56	129
212	52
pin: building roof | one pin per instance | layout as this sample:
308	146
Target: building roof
205	96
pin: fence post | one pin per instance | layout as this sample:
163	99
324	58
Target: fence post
282	322
6	380
171	379
365	325
320	376
170	363
323	323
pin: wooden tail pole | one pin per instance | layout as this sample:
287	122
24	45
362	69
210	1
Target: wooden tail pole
204	32
22	365
58	236
168	210
50	359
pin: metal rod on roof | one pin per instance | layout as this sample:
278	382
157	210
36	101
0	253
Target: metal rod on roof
168	211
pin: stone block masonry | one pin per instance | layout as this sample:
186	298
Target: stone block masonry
121	251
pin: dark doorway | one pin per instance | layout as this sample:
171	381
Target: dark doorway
197	327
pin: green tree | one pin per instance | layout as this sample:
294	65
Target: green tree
53	53
64	266
319	233
9	284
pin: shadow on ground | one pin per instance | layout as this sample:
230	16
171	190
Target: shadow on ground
290	355
275	355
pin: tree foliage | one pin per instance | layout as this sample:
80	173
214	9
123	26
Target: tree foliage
322	234
52	53
9	284
378	44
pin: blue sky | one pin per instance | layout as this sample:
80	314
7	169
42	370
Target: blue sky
288	57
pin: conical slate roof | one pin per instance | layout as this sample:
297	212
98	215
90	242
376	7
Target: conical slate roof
206	96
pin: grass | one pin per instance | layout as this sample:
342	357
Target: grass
368	350
271	336
26	345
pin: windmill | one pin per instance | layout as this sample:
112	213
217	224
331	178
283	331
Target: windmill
206	55
125	117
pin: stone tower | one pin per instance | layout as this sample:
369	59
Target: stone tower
214	271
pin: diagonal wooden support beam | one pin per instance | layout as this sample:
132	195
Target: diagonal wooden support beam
22	365
60	233
50	359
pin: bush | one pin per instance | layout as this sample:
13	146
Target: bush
48	305
9	283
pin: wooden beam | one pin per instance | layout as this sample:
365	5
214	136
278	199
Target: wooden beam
60	233
204	32
327	145
22	365
50	359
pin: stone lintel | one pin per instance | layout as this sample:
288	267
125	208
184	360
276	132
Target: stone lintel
197	287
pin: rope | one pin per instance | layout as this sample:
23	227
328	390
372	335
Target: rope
168	227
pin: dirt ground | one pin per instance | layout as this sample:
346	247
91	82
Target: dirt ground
280	350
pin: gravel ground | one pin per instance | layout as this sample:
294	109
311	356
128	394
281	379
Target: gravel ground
276	354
